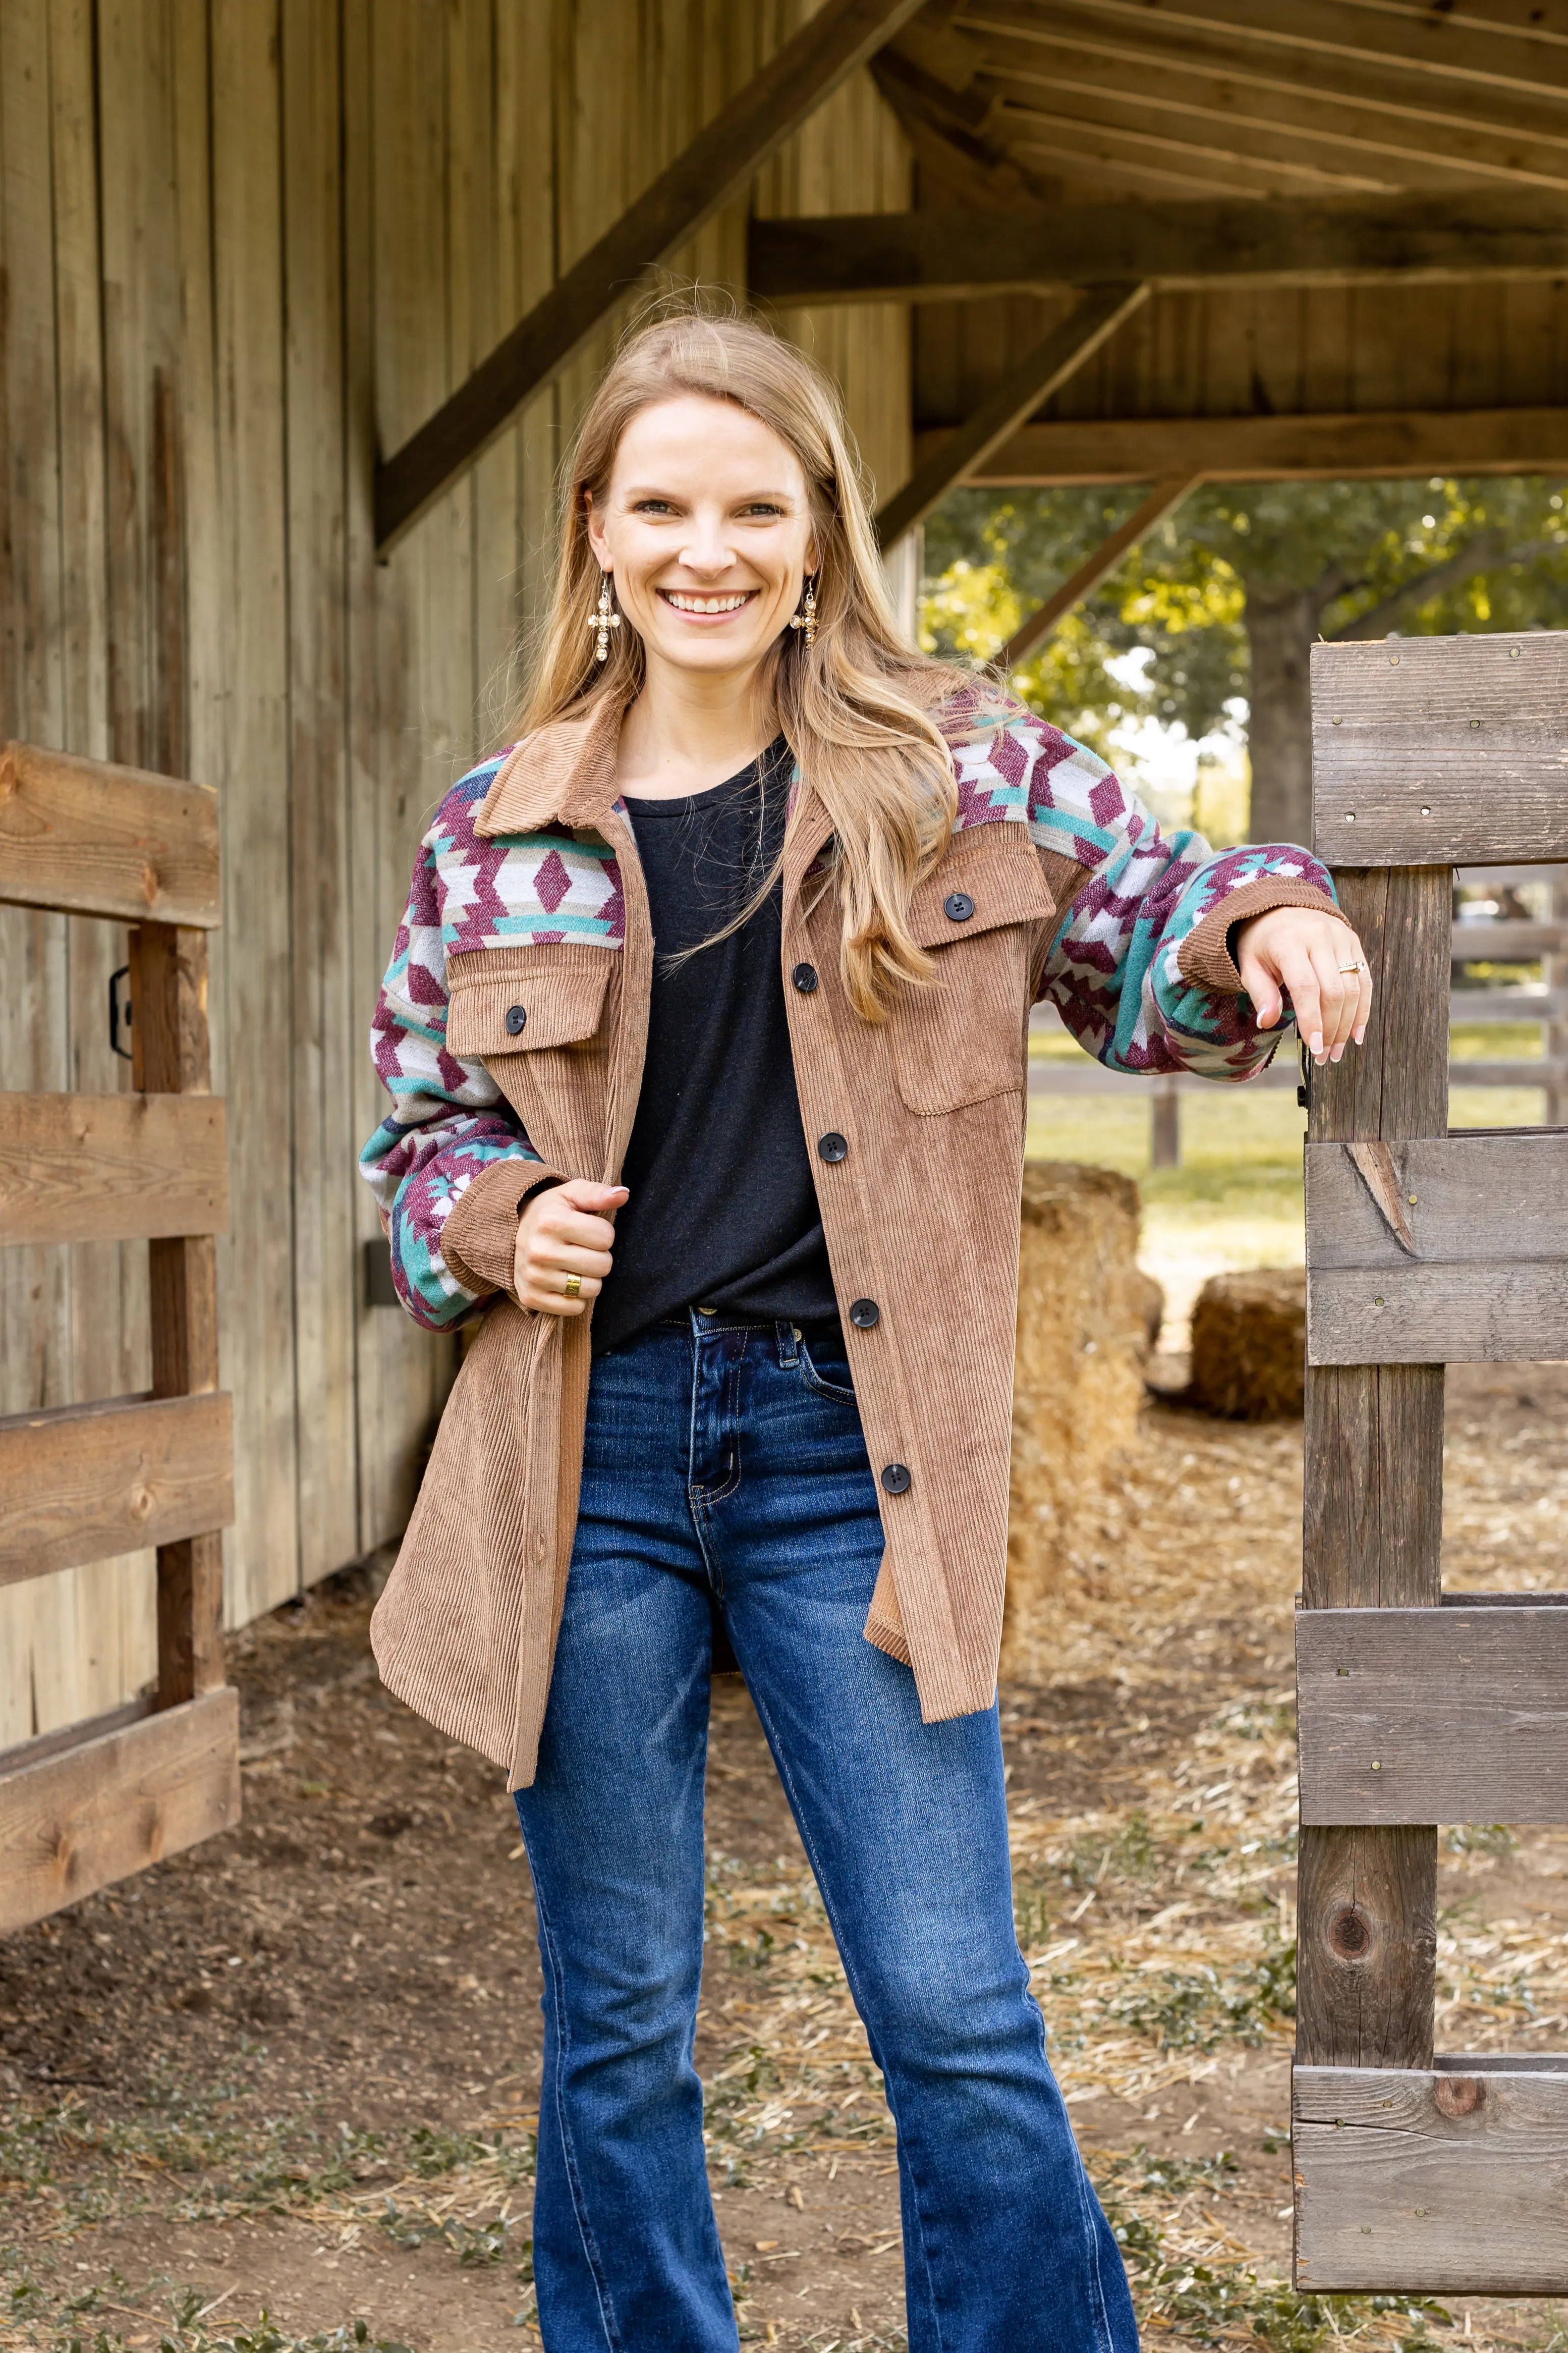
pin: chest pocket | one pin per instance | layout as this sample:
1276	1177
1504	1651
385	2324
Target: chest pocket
537	1018
964	1039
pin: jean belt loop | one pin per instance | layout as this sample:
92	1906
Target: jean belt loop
789	1345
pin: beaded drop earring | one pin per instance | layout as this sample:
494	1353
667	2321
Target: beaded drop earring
605	619
806	617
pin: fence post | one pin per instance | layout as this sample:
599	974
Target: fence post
1164	1125
172	1056
1366	1933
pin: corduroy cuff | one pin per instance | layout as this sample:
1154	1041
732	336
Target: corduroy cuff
478	1241
1207	957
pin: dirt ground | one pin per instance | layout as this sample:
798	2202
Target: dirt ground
280	2091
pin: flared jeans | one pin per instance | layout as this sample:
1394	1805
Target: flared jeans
725	1471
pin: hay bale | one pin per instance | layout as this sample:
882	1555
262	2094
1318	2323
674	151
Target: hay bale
1087	1317
1249	1345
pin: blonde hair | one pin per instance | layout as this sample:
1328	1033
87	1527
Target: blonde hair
856	708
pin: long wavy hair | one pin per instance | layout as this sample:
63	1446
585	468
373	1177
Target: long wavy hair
858	707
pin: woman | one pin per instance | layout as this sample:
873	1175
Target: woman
706	1032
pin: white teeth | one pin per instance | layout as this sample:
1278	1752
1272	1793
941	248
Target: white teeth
684	603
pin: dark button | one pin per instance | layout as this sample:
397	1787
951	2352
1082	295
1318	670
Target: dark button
515	1017
833	1146
896	1477
805	978
863	1313
958	906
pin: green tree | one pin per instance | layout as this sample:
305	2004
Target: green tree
1212	619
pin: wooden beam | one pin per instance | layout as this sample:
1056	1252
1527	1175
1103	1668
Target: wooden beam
1313	130
91	838
1332	35
953	254
948	128
85	1815
1443	2181
1441	751
721	160
1163	499
1228	162
1366	1937
86	1483
1337	448
112	1168
1404	1714
1448	1250
1058	355
1397	122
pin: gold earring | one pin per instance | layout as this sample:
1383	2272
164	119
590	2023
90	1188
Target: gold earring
806	617
605	620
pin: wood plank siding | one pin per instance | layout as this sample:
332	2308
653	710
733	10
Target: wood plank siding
245	248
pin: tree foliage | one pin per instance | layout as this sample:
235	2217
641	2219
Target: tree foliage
1165	636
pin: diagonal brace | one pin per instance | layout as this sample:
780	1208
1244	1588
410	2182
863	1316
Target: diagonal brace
1163	499
1071	343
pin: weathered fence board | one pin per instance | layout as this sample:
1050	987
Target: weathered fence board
85	1815
1373	1518
1433	752
83	1482
1419	1715
1432	2180
77	1169
1510	940
94	839
1447	1250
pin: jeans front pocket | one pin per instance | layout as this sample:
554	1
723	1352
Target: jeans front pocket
825	1367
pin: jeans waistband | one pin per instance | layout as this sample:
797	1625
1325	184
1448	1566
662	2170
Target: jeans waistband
722	1320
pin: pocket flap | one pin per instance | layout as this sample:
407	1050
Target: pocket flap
508	1002
979	884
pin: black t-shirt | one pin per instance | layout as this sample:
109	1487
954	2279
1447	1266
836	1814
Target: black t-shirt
723	1212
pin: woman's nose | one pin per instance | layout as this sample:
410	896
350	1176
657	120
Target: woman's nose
707	549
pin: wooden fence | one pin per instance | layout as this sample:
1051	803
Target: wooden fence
92	1803
1416	2170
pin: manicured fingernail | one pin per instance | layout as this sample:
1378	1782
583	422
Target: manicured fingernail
1360	1035
1336	1054
1315	1044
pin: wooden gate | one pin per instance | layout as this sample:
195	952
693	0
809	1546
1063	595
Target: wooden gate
1416	2170
83	1482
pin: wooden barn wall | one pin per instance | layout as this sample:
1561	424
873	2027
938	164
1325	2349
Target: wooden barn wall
1290	350
243	244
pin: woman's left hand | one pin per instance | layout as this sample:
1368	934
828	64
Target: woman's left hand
1321	961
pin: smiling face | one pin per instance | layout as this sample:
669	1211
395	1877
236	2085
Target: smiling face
707	528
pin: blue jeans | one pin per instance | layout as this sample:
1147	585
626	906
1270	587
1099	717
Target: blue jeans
728	1461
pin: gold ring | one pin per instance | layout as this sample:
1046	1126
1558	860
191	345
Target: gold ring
1359	965
574	1285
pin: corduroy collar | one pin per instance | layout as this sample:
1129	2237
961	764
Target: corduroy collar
566	771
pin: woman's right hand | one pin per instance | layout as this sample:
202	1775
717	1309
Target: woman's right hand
565	1230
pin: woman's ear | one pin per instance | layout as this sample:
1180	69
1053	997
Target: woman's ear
596	540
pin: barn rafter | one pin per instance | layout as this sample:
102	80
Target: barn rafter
953	254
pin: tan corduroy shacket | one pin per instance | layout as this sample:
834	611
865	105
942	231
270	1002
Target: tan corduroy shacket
920	1210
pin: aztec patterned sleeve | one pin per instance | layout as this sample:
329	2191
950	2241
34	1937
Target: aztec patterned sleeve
449	1124
1141	965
